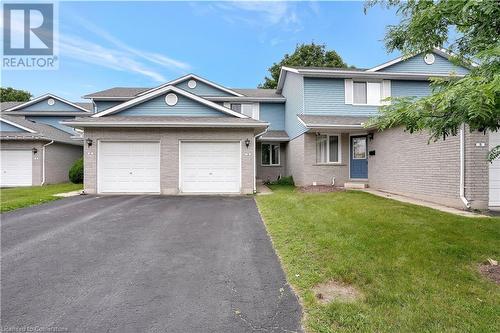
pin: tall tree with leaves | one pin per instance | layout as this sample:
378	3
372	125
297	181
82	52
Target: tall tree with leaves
14	95
470	29
304	55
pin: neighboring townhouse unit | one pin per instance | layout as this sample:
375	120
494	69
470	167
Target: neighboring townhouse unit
191	135
35	149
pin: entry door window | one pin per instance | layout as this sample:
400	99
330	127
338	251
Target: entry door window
359	148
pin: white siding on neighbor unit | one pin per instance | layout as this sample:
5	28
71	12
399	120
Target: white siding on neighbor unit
128	167
16	168
494	195
210	167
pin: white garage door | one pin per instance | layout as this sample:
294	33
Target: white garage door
495	173
129	167
16	168
210	167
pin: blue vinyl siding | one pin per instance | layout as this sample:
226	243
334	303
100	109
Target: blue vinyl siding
103	105
274	114
410	88
53	121
44	106
293	90
202	89
4	127
184	107
417	64
326	97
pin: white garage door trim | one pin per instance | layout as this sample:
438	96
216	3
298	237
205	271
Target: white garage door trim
157	188
238	142
494	182
9	169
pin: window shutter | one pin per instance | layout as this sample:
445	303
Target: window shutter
348	91
386	91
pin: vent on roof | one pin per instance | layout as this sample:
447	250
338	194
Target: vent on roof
171	99
51	101
192	84
429	58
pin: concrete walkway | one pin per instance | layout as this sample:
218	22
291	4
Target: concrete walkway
263	189
424	203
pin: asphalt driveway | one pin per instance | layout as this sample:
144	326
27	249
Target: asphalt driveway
143	264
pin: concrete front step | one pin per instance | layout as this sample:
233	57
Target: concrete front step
355	185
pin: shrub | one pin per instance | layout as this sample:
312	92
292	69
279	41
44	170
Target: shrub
76	172
282	181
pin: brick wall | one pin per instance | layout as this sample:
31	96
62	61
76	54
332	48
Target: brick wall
169	146
268	172
295	160
59	159
407	164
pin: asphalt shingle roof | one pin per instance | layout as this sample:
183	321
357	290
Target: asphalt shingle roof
43	131
275	135
332	120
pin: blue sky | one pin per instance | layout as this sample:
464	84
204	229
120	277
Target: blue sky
106	44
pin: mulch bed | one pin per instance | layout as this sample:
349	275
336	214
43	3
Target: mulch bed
490	272
320	189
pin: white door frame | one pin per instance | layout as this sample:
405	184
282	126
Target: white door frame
180	141
98	154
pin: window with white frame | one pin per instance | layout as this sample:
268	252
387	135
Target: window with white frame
270	154
369	93
249	109
361	92
327	148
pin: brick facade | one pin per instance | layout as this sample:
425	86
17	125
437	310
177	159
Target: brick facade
169	152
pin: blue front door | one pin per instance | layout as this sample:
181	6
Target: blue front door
359	157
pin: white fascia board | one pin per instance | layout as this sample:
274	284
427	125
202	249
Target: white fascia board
378	75
17	125
42	97
153	94
386	64
158	124
278	139
282	77
196	77
246	99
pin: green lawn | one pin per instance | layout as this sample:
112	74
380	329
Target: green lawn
416	267
19	197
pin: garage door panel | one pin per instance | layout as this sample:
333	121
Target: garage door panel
210	167
129	167
16	168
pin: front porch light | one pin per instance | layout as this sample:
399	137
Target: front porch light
34	150
89	142
247	142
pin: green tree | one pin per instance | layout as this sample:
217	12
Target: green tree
14	95
471	31
312	54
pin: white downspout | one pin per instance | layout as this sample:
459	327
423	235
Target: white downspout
255	159
43	160
462	167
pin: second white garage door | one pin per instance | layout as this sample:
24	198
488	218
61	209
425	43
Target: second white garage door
129	167
210	167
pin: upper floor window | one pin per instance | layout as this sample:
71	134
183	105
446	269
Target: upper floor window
367	93
250	110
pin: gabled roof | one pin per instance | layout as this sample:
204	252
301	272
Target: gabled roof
439	51
117	93
40	98
35	131
157	92
196	77
274	135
